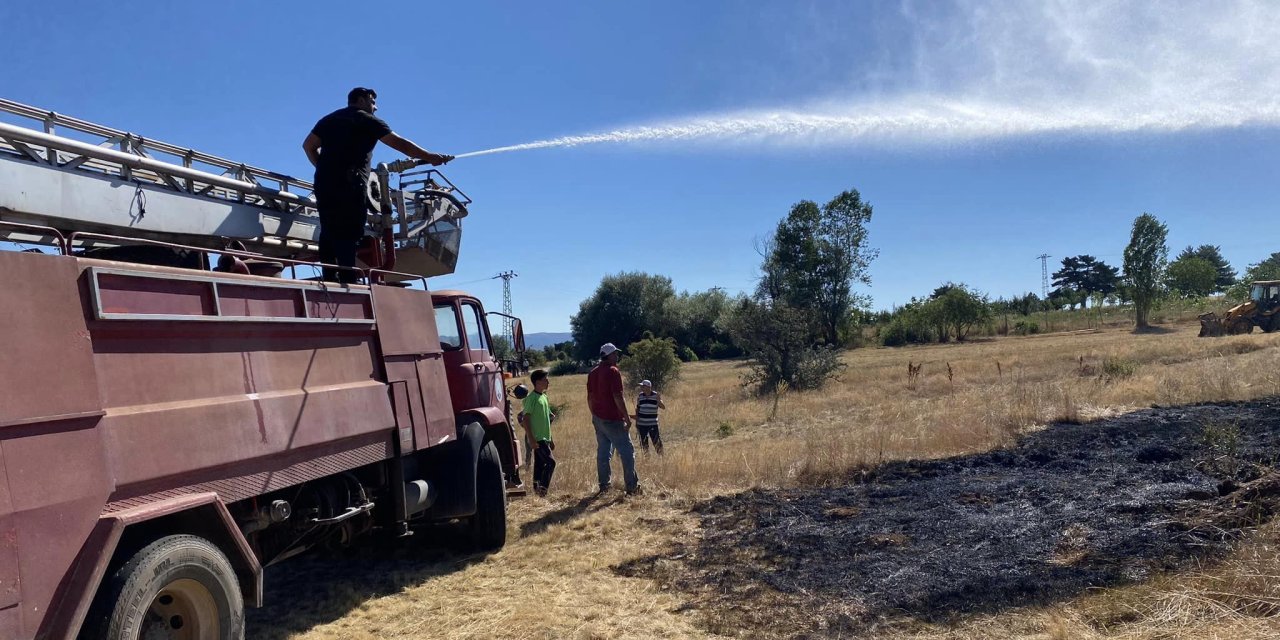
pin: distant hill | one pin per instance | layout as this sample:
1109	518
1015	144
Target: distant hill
540	340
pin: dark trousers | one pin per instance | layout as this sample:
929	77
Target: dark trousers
544	464
649	433
342	218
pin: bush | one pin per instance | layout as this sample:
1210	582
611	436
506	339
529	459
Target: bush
563	368
652	359
1118	367
894	334
535	358
725	429
782	350
687	354
720	350
1026	327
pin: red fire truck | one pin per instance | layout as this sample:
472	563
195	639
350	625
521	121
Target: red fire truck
180	406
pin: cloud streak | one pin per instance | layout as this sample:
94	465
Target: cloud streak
987	70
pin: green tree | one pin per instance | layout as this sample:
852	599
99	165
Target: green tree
958	309
700	323
1087	275
536	358
1192	277
1224	275
1144	264
813	259
1268	269
652	359
777	339
622	308
502	349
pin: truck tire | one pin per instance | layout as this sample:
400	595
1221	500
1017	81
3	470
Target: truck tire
181	587
488	527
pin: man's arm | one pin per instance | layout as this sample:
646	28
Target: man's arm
622	406
412	150
312	146
660	405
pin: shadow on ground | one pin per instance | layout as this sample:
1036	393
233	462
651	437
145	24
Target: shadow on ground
321	587
589	504
1067	509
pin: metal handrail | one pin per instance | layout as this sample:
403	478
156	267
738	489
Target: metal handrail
61	239
52	119
143	162
70	241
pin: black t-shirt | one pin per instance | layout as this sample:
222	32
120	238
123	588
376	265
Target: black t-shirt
347	137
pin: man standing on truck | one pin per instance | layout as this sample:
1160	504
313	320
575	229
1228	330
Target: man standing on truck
611	420
340	147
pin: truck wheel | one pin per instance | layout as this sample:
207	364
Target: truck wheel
488	527
180	587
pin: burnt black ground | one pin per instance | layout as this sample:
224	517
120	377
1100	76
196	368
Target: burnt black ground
1067	508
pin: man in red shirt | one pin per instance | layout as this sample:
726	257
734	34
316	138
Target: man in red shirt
611	420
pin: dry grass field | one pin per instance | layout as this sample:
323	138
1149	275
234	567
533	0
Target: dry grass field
557	577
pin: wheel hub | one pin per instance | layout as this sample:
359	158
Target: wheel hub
183	610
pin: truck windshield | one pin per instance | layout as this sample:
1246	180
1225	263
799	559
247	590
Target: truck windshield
1257	292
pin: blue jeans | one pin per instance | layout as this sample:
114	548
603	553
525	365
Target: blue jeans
610	435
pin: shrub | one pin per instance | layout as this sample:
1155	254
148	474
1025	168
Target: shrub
720	350
725	429
687	354
894	334
535	358
1113	367
563	368
1026	327
652	359
783	353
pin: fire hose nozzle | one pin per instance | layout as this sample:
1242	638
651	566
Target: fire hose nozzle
399	166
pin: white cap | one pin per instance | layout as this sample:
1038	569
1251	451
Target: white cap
646	383
607	349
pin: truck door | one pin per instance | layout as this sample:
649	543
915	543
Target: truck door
489	391
472	370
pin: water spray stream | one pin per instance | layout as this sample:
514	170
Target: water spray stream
920	124
985	70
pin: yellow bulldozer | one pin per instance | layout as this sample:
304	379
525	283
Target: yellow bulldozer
1261	310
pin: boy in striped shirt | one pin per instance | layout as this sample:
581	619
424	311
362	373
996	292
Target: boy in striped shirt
647	405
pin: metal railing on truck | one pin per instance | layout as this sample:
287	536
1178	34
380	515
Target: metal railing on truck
121	182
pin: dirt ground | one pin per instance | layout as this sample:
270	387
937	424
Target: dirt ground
1067	509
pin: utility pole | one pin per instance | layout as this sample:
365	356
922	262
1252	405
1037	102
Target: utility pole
1044	275
1044	286
506	304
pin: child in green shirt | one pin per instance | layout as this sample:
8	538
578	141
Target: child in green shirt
537	424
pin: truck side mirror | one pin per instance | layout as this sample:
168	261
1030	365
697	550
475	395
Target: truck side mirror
517	336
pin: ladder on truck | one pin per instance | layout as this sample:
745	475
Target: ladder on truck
75	176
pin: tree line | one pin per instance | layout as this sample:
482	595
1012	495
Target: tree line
804	307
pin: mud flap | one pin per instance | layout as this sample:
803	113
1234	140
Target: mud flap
451	468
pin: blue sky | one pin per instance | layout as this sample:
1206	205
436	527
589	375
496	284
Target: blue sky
984	133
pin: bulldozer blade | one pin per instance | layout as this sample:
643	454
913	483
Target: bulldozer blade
1211	325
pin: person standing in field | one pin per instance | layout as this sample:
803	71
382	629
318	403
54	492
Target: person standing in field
647	405
536	420
611	420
